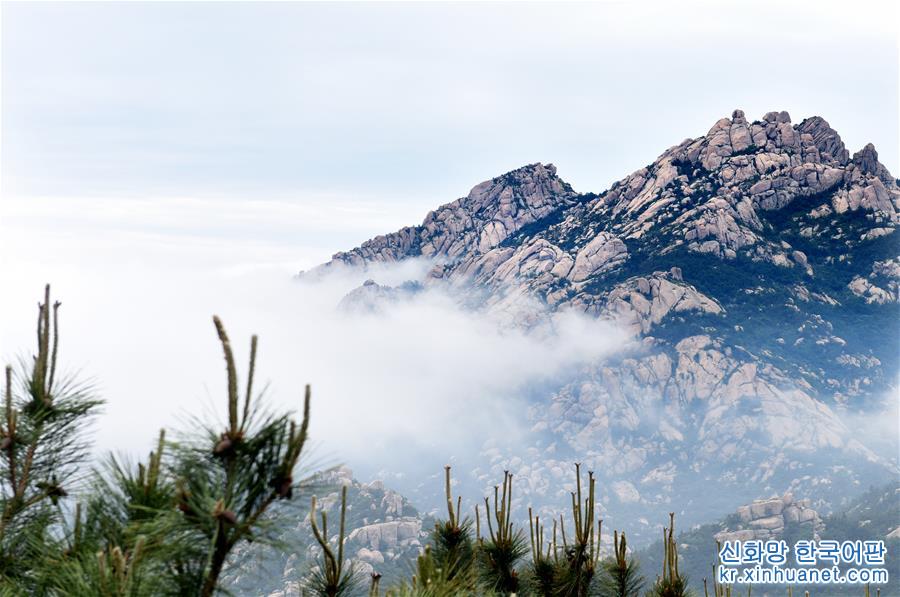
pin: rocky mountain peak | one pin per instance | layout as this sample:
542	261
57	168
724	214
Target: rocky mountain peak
867	161
757	269
708	193
825	139
534	188
478	222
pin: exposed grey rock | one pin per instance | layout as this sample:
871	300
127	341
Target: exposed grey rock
641	303
479	222
372	297
603	253
767	519
867	161
736	262
884	273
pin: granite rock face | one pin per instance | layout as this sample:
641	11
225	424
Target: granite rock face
765	520
756	270
881	286
478	222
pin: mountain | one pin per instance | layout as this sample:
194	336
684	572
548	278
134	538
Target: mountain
757	271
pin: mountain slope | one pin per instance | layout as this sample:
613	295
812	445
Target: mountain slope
868	517
756	268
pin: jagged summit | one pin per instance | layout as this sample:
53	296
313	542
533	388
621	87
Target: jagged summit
744	191
706	192
757	266
479	221
867	161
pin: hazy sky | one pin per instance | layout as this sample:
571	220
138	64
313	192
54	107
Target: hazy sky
156	157
413	104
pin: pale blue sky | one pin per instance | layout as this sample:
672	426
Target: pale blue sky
412	103
155	155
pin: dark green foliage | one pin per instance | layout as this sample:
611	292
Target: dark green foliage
578	560
620	581
227	480
164	527
558	567
500	551
540	575
448	566
749	150
453	550
671	587
42	445
432	580
620	575
109	572
110	547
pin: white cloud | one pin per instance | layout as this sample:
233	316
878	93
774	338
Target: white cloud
420	380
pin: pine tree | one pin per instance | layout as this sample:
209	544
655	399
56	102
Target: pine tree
453	550
672	583
42	445
620	576
226	479
330	578
501	550
162	527
540	574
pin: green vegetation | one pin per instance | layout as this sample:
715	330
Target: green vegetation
621	575
164	527
562	564
671	583
330	578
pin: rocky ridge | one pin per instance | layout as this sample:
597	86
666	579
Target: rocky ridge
765	520
756	268
490	212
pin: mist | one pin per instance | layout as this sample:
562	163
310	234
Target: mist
407	388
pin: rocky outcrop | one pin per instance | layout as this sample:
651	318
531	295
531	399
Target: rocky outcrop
641	303
603	253
866	159
374	543
881	286
766	519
